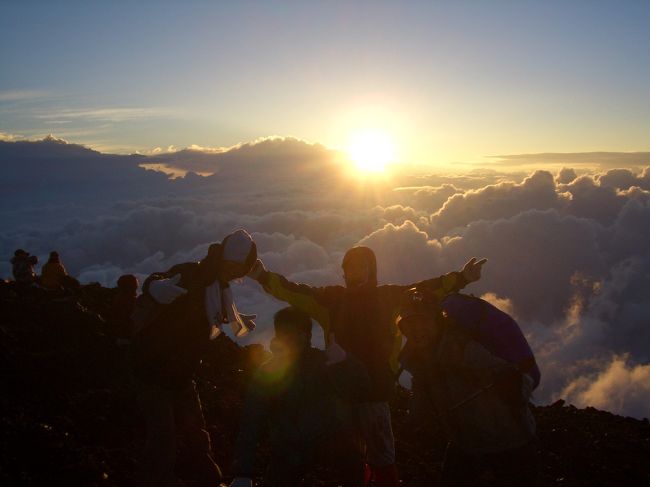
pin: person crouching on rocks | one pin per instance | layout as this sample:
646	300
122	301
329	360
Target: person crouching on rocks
480	399
176	316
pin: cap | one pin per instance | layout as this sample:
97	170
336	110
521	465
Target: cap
413	304
238	247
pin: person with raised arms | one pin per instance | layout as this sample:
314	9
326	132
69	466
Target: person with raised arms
362	315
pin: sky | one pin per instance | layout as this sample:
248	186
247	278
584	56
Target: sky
446	82
134	136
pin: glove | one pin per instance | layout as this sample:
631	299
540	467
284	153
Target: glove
248	321
257	270
472	269
241	482
165	291
334	353
242	329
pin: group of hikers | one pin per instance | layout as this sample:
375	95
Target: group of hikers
471	368
53	276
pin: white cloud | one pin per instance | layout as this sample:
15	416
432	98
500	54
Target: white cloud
105	114
568	256
566	175
4	136
20	95
620	387
498	201
590	159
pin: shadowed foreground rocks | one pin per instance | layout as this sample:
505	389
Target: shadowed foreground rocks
68	415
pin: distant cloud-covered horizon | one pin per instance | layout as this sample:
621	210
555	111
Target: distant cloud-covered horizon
568	248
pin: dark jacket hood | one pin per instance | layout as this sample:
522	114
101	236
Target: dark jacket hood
364	254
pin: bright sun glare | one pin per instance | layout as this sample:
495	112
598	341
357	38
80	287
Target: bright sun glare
371	152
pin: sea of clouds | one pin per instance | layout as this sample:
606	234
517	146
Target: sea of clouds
568	250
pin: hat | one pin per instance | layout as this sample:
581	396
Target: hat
416	303
128	282
239	247
365	255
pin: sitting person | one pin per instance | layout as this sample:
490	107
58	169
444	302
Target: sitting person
480	399
305	398
23	267
53	275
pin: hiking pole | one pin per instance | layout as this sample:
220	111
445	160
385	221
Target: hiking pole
473	395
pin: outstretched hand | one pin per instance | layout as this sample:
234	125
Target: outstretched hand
165	291
472	270
257	270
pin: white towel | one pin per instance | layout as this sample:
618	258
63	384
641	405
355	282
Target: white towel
237	246
220	309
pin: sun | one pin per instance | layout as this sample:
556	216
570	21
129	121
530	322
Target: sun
371	152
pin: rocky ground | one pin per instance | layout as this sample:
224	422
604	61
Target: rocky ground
68	415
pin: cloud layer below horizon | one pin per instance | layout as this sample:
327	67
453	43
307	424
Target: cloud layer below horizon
569	254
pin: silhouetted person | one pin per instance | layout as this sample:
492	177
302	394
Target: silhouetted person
303	397
53	275
23	267
362	316
178	313
480	400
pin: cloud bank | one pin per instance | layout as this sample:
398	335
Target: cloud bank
601	160
569	251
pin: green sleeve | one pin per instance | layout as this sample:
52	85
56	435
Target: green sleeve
439	287
312	300
444	285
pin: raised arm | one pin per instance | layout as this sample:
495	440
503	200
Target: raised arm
312	300
178	269
453	281
437	287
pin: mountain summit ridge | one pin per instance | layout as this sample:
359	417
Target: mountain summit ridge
68	413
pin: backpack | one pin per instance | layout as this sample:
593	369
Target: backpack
496	330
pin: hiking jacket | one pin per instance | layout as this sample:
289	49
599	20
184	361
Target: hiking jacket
168	350
23	268
362	319
53	275
301	407
446	376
